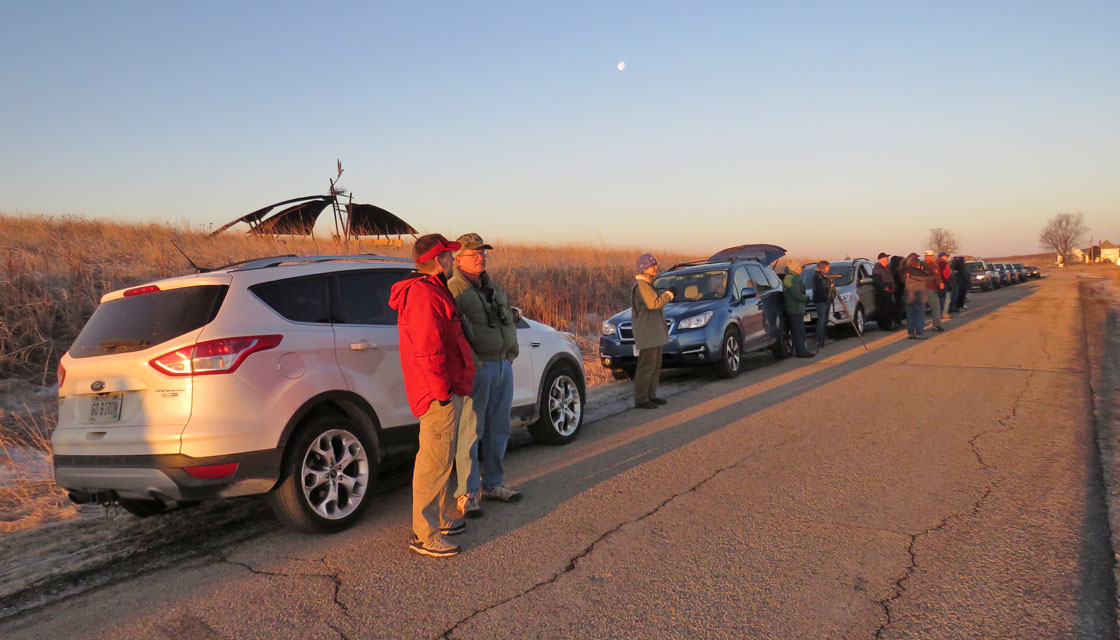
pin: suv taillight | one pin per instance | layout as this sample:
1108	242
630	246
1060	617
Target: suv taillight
213	356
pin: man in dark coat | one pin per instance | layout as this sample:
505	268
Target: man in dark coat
822	301
883	281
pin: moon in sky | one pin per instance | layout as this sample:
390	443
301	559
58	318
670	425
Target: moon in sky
621	66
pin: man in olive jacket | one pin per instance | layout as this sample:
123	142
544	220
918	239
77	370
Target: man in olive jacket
650	333
794	294
490	330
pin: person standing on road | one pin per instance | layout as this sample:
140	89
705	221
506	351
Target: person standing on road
935	287
899	288
917	292
490	331
793	290
822	301
946	289
438	373
883	282
650	333
960	284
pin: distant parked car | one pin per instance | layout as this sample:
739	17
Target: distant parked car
724	307
1033	271
1020	271
277	376
980	277
854	289
1004	273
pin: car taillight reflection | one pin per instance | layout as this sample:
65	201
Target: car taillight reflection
213	356
61	374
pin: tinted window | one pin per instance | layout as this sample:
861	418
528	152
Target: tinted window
297	299
141	321
845	274
695	285
758	278
773	278
975	266
362	297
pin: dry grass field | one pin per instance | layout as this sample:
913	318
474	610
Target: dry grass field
54	270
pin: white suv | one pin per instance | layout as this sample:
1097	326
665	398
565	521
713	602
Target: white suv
277	375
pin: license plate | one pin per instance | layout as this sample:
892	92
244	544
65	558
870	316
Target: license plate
635	351
106	409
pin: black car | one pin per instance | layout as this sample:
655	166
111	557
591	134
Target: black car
725	306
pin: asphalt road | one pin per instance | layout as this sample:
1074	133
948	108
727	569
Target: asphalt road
948	488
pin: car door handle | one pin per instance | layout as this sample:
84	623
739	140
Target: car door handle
362	345
534	344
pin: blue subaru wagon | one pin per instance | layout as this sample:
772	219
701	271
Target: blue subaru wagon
725	306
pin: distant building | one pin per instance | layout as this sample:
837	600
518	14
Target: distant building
1110	252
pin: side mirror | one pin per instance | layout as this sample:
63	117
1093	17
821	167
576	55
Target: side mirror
517	315
747	292
866	280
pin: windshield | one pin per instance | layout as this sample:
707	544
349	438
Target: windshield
845	273
975	265
694	285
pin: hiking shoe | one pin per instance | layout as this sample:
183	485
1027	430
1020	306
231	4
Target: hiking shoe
644	405
659	401
438	548
453	529
468	505
938	328
502	493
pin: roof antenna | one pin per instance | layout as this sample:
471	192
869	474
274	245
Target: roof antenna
197	269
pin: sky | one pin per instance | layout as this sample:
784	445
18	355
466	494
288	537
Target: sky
830	128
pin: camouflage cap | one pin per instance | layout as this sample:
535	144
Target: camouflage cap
471	242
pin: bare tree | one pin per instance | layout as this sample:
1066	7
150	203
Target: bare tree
1063	233
941	239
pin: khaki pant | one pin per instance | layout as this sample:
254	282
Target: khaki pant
647	375
432	487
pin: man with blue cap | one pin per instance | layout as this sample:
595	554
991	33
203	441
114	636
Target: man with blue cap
650	332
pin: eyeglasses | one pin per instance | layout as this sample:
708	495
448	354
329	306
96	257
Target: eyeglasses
474	254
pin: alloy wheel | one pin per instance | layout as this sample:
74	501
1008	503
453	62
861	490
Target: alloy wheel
335	474
564	406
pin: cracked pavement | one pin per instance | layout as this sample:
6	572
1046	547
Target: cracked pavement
941	489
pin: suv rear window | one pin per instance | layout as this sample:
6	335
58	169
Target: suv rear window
141	321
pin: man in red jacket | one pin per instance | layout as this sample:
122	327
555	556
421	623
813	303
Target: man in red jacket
438	372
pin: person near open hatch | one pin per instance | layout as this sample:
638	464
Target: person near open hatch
822	301
793	290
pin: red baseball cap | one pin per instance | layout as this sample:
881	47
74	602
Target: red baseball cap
428	247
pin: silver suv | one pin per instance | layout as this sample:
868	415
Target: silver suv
277	376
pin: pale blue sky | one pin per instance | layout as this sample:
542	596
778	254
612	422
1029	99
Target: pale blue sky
827	127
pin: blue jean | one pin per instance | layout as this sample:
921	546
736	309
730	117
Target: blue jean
915	318
797	329
823	309
484	429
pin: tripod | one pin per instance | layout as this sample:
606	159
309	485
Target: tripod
833	294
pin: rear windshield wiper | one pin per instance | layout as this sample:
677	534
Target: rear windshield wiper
121	342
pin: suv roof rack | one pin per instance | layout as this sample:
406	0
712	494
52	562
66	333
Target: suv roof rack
264	263
696	263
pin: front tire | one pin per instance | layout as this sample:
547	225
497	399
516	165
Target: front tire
731	355
561	407
858	325
328	475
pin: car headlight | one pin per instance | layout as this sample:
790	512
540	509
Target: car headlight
695	322
609	329
979	277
